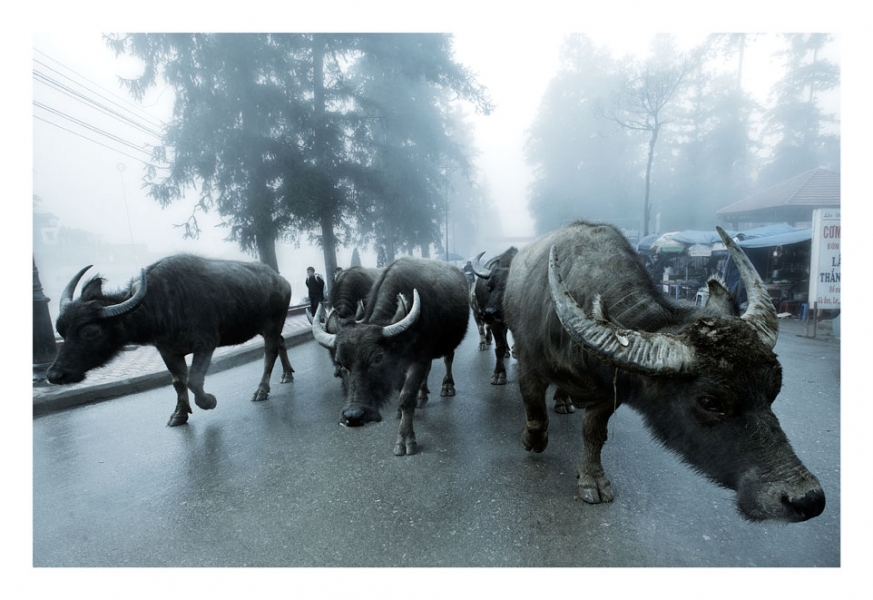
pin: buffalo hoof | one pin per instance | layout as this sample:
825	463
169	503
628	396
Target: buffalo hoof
482	346
498	379
564	409
177	419
594	489
260	395
407	449
289	377
448	389
206	401
536	441
421	401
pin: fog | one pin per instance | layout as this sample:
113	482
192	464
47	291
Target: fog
91	140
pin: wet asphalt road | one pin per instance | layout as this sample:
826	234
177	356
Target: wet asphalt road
281	484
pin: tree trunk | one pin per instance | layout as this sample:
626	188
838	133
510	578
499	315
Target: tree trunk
328	247
647	205
267	250
328	239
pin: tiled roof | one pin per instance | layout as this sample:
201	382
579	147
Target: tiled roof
818	187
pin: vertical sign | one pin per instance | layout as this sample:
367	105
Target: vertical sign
824	270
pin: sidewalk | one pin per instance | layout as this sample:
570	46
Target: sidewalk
141	368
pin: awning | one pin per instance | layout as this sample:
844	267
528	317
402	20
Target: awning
780	239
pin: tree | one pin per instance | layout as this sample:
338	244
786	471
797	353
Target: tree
710	158
233	101
270	128
580	161
409	139
797	121
642	105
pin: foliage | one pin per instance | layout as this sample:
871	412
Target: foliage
590	162
286	133
580	161
805	138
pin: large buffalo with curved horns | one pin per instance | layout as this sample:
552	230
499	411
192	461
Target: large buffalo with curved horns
417	311
182	304
587	316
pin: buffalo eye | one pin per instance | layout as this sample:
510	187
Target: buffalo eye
711	405
378	359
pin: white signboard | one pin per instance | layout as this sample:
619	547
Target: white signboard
824	271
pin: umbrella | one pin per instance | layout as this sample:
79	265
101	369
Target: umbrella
666	244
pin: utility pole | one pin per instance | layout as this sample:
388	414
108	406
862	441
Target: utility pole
44	348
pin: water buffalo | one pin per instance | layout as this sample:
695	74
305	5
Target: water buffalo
486	300
182	304
393	345
586	316
347	297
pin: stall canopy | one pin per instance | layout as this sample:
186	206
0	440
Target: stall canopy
795	236
778	234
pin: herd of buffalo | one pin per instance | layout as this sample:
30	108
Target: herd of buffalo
585	317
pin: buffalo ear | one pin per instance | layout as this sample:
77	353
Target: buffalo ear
720	299
93	290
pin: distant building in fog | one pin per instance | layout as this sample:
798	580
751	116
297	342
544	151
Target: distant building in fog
791	201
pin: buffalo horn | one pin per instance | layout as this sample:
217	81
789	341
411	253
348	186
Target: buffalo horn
359	313
407	321
478	268
67	294
650	353
760	313
328	340
128	305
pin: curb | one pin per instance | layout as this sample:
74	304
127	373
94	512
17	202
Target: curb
62	399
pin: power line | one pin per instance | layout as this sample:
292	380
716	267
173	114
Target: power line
82	98
121	103
93	128
95	100
94	141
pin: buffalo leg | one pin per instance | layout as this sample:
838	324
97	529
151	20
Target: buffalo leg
423	390
500	352
533	391
448	387
563	404
484	335
274	347
287	371
594	487
196	378
406	444
179	370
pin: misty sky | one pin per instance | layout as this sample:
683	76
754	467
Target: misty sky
94	188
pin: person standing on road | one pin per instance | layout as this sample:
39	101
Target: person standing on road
315	285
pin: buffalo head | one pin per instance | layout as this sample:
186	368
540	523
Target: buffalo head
91	327
368	360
